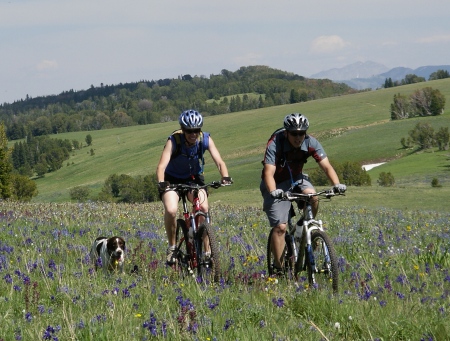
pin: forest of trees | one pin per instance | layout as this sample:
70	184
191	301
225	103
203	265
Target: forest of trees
147	102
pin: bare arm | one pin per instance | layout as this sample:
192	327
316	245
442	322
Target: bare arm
269	180
329	171
164	160
221	166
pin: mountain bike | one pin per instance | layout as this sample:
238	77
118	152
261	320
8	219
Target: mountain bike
308	247
196	245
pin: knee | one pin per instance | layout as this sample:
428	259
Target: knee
280	229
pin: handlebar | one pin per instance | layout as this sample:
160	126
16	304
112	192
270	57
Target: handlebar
292	196
193	186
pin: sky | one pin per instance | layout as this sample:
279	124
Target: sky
51	46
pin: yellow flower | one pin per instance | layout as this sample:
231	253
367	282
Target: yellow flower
416	267
137	315
408	228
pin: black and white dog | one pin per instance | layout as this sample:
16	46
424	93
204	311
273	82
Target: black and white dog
111	252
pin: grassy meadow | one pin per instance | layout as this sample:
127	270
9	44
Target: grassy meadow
351	128
392	243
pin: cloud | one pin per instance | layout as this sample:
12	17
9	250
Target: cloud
441	38
327	44
46	65
248	59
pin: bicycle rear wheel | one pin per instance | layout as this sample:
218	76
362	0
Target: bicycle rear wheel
287	262
322	269
208	256
184	262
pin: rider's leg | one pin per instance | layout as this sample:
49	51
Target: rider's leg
314	200
170	201
278	243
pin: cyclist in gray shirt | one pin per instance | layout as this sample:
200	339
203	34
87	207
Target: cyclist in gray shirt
286	153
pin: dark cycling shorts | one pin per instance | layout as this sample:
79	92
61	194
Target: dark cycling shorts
198	179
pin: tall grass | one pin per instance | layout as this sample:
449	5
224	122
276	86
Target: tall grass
394	278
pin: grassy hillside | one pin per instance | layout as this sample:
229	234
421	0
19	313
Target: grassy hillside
351	128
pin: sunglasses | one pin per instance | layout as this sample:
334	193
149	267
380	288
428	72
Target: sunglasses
192	131
297	133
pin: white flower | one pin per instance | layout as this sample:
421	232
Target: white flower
337	325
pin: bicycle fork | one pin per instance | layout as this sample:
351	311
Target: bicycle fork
306	249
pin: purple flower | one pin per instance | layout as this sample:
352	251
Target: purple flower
48	333
279	302
8	278
228	324
212	304
126	293
28	317
400	295
52	265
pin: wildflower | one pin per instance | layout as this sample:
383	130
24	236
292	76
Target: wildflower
212	304
337	326
48	333
228	324
400	295
28	317
279	302
8	278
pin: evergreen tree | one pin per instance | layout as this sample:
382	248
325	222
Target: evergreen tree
5	165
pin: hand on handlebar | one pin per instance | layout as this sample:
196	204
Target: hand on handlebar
226	180
162	186
277	194
339	188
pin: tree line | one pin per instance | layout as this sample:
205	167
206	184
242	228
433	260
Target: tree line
412	78
147	102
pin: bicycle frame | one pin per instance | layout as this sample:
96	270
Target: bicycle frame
192	222
302	235
307	246
196	245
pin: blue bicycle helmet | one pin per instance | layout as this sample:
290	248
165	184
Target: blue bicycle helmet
190	119
296	121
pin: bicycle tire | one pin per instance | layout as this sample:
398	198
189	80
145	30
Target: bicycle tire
184	262
323	274
208	268
287	263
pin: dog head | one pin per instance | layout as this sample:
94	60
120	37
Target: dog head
116	248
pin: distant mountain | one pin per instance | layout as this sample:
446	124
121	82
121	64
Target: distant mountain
352	71
371	75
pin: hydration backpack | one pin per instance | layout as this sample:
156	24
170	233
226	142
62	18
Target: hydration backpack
203	142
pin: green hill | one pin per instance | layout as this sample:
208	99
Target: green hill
353	127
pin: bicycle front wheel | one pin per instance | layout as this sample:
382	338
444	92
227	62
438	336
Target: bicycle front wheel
209	261
322	267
